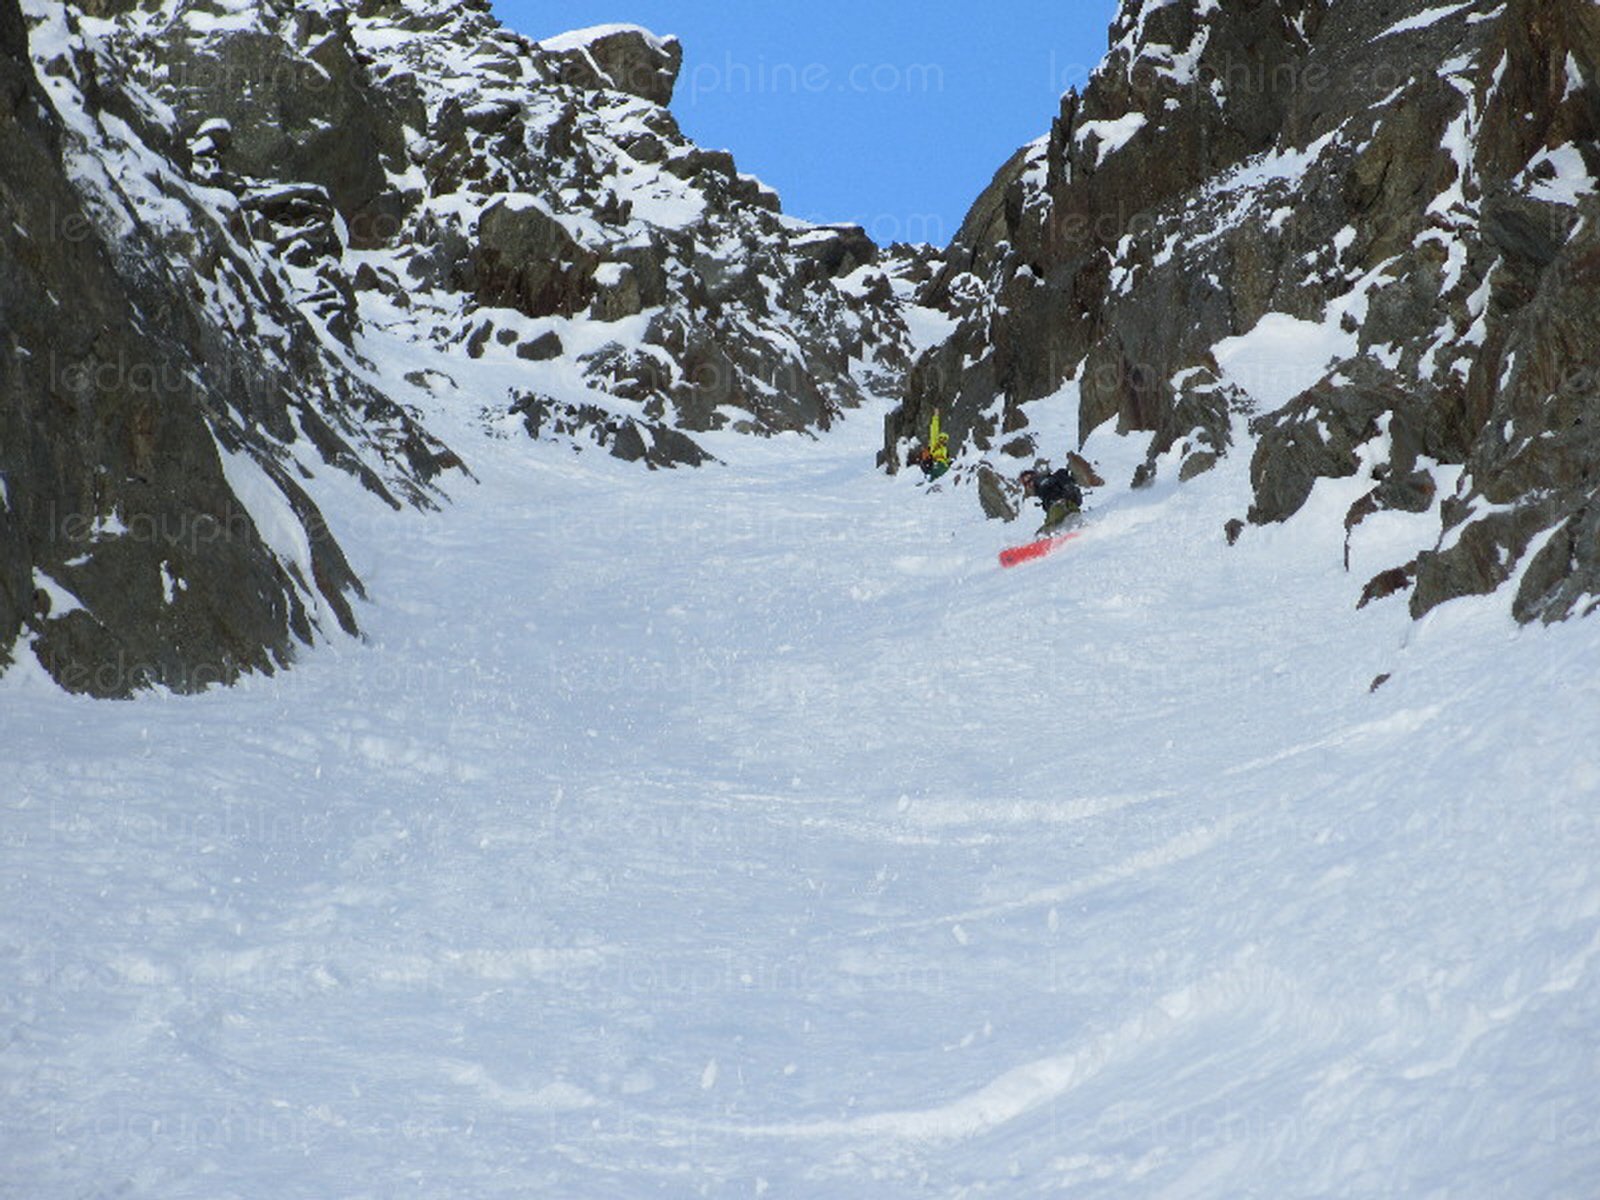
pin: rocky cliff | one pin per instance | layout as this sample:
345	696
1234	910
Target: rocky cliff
221	223
164	402
1348	240
429	173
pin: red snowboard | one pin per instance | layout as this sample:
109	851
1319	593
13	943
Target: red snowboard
1017	555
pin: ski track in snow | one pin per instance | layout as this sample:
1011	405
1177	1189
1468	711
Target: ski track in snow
748	831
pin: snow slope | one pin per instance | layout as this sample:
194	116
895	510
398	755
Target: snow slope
748	832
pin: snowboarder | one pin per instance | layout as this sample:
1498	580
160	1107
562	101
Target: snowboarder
1057	491
931	466
934	458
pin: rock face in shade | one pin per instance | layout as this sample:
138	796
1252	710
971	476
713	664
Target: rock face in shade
1405	195
163	407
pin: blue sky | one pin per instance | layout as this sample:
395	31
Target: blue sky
894	116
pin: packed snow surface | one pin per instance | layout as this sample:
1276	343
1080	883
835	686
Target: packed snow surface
1282	356
1111	135
748	832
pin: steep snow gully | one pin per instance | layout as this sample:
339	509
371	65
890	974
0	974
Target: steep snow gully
749	832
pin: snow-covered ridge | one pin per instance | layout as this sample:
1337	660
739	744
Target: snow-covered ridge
582	39
505	124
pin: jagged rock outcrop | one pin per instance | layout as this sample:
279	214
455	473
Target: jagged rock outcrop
164	409
622	58
1399	200
1031	276
304	113
513	196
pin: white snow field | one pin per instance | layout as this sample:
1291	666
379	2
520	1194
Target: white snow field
749	832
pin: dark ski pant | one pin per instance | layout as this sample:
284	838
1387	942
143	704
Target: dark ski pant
1056	517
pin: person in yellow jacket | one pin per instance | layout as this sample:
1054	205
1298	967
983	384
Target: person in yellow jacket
934	458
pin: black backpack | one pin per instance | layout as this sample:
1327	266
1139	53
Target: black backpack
1057	486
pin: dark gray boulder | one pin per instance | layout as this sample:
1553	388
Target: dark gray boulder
994	496
295	114
525	259
623	58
